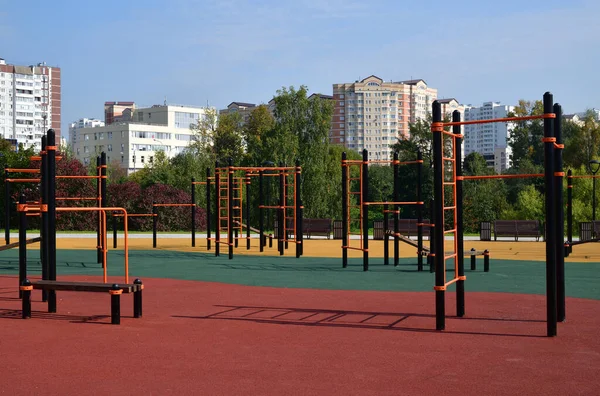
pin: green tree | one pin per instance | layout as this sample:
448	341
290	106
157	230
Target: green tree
525	139
259	127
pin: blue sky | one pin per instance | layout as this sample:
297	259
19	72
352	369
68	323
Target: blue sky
194	51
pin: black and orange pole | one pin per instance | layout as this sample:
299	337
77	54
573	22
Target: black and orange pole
22	244
438	192
281	226
261	214
51	157
218	209
208	214
154	224
230	208
559	215
550	190
247	183
344	210
193	211
420	211
298	208
365	208
386	239
7	205
569	212
396	212
98	214
460	284
44	180
103	202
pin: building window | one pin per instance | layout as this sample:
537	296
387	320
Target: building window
186	120
109	147
109	135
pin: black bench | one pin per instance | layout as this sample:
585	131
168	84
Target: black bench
317	227
409	227
115	291
596	228
517	228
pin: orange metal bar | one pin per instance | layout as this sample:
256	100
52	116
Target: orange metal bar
354	248
521	176
125	229
506	119
584	177
76	199
77	177
135	215
394	203
23	180
26	170
174	204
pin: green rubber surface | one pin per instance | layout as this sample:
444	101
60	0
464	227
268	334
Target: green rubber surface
509	276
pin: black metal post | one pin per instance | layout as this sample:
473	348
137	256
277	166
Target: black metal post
569	211
218	209
114	227
230	208
98	214
137	299
193	212
26	288
115	304
420	211
386	239
208	214
551	307
261	213
438	184
473	259
281	226
51	155
345	172
298	208
365	208
559	215
22	244
396	207
486	261
44	250
104	201
7	205
431	255
460	251
154	224
247	182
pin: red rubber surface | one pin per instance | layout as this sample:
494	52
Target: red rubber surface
209	338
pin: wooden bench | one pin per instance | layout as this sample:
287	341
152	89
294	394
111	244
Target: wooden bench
596	228
317	227
115	290
517	228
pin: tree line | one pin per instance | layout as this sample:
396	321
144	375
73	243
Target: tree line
298	130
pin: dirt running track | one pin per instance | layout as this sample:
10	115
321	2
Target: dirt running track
215	339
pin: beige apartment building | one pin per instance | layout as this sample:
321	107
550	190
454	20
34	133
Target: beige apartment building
372	113
137	134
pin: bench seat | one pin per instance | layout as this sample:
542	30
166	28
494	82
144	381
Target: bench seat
517	228
83	286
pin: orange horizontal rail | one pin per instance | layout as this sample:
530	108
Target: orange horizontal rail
584	177
26	170
173	204
353	248
279	168
23	180
506	119
78	177
76	199
522	176
393	203
135	215
38	158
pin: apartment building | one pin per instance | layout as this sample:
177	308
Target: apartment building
489	140
74	127
242	108
134	142
30	102
374	114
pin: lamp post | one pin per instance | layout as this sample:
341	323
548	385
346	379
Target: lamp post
594	166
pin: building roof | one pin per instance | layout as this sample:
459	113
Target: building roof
121	103
411	82
448	100
243	104
322	96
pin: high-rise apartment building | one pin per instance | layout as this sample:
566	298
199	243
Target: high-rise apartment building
372	114
30	102
133	143
489	140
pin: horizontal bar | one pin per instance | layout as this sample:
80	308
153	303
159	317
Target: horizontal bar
23	180
393	203
173	204
506	119
26	170
522	176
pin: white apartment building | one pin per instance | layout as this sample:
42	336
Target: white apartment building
489	140
133	144
30	102
372	114
74	127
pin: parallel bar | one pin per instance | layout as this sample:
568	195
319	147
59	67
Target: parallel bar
559	216
438	184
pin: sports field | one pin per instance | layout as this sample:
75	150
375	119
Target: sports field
264	324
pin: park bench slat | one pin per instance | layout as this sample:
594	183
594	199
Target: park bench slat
82	286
